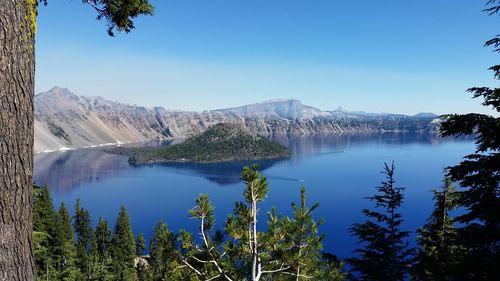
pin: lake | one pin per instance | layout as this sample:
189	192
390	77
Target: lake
338	171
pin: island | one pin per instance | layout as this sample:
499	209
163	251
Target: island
219	143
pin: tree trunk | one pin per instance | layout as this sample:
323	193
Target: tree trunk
17	69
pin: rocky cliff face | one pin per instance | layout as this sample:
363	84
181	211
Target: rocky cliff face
64	120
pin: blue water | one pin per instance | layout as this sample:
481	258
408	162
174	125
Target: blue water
337	171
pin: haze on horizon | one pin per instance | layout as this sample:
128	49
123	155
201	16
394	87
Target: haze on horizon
375	56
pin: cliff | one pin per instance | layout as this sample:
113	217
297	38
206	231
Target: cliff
64	120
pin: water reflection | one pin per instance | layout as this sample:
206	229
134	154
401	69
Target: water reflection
64	171
308	145
226	173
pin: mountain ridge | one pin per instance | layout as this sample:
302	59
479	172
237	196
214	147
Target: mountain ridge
64	120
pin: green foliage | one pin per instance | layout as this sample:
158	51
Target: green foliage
123	248
221	142
102	249
256	186
44	214
140	244
84	240
439	250
479	177
44	220
304	243
119	14
385	255
161	252
289	250
64	247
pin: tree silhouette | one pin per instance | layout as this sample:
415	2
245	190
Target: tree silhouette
386	254
479	176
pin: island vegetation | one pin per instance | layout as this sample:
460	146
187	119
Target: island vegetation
219	143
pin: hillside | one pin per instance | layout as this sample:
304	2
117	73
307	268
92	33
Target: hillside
219	143
64	120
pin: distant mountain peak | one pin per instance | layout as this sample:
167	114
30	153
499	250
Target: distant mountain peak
282	108
56	90
282	101
340	109
426	115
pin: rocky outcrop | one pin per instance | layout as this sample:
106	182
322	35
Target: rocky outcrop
64	120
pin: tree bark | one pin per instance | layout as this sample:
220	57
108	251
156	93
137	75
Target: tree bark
17	69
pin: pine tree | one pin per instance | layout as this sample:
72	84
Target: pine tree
204	260
64	248
102	236
289	250
161	252
140	244
304	245
439	248
479	176
43	258
44	219
84	236
123	248
386	254
44	215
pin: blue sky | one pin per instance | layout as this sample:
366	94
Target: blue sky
378	56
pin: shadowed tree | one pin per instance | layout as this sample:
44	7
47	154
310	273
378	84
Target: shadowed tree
44	221
84	238
386	254
140	244
479	177
44	215
439	250
17	78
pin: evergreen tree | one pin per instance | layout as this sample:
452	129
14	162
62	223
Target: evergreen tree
161	252
64	248
479	177
289	250
44	215
44	218
43	258
123	248
304	245
140	244
386	254
102	236
204	260
439	249
84	240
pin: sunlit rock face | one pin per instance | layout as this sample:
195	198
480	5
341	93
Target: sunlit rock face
64	120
